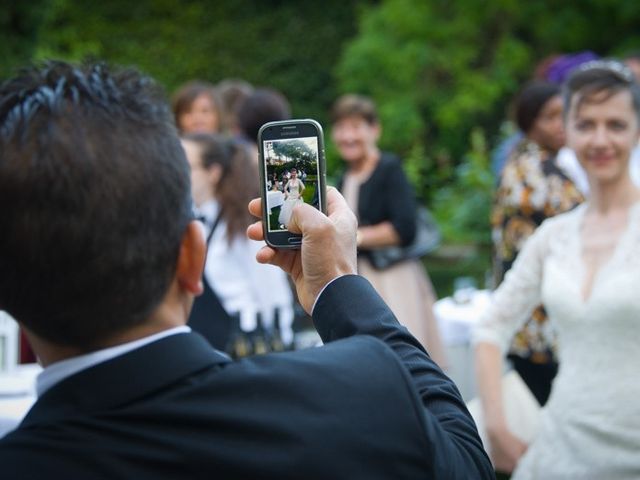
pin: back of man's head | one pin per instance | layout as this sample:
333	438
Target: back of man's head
94	200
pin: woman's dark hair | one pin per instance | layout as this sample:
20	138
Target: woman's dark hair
186	94
530	101
262	106
601	79
352	105
232	92
238	183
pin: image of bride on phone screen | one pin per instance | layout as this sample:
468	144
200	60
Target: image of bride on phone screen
293	195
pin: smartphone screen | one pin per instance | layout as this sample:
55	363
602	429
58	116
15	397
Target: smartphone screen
292	164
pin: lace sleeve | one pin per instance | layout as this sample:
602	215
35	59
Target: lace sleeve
520	292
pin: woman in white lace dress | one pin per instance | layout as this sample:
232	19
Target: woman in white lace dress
584	266
293	196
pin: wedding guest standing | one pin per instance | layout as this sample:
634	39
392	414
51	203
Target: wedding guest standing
377	189
223	181
583	267
196	108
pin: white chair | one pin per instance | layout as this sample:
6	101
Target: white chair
9	340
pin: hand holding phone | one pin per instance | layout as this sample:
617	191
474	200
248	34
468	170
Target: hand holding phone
292	158
328	252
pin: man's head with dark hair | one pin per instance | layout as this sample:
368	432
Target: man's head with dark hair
94	201
262	106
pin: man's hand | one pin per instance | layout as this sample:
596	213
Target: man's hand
328	246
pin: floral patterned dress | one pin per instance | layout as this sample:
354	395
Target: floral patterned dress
532	188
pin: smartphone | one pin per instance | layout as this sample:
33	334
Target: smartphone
292	171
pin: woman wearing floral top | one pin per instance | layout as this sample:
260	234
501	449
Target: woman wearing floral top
532	188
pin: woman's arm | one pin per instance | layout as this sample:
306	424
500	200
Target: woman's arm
506	448
511	305
380	235
388	207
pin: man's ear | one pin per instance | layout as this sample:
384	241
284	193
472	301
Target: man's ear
193	249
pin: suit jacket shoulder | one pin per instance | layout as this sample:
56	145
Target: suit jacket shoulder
369	404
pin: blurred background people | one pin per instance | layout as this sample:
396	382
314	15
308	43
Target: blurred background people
532	188
583	266
378	191
231	93
632	61
196	108
262	106
257	296
554	68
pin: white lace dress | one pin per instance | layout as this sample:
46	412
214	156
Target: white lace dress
294	197
590	427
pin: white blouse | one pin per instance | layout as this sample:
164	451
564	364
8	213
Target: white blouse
242	284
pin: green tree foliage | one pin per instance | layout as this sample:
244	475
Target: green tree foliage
20	23
442	70
291	46
294	150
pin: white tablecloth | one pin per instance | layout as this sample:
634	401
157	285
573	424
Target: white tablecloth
275	198
455	321
17	394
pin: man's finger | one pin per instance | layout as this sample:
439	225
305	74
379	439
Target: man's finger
335	202
255	231
265	255
303	216
255	207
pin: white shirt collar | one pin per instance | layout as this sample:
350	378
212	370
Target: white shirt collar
58	371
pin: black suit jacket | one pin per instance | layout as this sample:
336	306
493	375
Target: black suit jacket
369	404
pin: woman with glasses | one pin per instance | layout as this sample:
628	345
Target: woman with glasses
584	267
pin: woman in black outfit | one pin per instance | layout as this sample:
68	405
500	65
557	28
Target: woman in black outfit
377	189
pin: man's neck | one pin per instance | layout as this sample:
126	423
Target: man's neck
172	312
